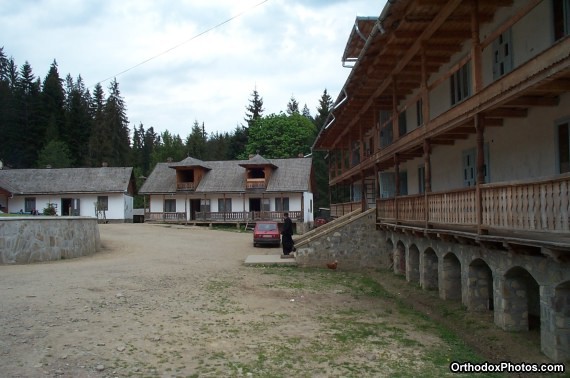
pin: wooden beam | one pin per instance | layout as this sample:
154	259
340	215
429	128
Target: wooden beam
529	101
507	113
449	142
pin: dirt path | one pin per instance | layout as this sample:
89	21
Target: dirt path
177	301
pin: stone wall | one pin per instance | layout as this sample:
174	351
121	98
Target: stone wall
33	239
355	245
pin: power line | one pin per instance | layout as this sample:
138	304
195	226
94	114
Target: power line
186	41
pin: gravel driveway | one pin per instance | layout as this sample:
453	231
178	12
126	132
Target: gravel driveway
175	301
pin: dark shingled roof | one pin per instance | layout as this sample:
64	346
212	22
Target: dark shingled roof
190	162
257	161
66	180
291	175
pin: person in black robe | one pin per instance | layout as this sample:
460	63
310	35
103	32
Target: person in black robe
287	235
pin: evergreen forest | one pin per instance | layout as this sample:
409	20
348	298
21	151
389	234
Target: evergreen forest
60	123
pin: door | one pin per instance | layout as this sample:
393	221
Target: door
469	168
194	208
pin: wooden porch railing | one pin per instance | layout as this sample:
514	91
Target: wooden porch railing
541	205
185	186
340	209
255	183
165	217
532	206
242	216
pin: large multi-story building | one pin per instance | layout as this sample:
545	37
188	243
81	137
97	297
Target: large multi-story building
454	123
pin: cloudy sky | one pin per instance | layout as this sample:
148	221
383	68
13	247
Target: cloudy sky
175	65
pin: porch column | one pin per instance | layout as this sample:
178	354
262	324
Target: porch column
427	178
397	182
475	48
376	186
480	129
224	207
395	118
362	192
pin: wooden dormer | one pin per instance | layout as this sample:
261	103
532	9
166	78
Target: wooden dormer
189	173
257	172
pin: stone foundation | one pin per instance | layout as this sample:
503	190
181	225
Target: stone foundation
26	240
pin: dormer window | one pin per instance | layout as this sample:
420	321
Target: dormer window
185	179
256	173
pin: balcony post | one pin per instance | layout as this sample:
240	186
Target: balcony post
480	129
397	179
427	178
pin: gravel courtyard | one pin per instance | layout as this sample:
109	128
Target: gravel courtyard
174	301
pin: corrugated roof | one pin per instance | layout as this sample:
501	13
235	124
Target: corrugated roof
67	180
291	175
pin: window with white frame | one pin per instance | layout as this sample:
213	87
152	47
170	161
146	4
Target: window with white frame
103	203
561	13
460	84
169	205
502	54
265	206
419	113
204	205
225	205
282	204
29	204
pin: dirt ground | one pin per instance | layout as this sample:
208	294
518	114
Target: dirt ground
178	301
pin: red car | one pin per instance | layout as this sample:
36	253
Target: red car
266	233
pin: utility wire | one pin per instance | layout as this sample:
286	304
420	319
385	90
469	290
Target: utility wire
186	41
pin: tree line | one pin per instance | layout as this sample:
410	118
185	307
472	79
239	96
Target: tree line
60	123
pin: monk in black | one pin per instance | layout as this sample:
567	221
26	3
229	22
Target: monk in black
287	235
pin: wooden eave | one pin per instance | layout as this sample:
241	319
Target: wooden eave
438	28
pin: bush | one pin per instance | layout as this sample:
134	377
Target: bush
50	209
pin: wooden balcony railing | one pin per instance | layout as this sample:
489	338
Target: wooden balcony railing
251	216
165	217
255	183
340	209
541	205
185	186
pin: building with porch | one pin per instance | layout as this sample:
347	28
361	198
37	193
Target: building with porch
237	191
454	123
106	192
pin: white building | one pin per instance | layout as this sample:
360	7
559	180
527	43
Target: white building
71	191
238	191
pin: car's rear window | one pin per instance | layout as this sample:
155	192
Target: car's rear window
267	226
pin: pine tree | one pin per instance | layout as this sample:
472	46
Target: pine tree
196	142
237	143
292	106
53	98
29	117
117	123
100	147
254	109
325	106
306	112
77	128
150	143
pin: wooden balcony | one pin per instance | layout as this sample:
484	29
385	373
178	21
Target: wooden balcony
340	209
164	217
539	206
255	183
185	186
224	217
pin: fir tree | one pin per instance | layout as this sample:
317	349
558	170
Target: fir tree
292	106
325	107
254	109
117	124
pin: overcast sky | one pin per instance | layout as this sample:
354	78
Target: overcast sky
174	73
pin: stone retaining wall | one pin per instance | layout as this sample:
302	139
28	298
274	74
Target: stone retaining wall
355	245
33	239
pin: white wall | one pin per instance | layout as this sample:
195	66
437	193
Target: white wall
120	205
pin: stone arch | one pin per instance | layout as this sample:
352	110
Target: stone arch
521	298
400	258
429	280
561	322
451	277
480	287
413	264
